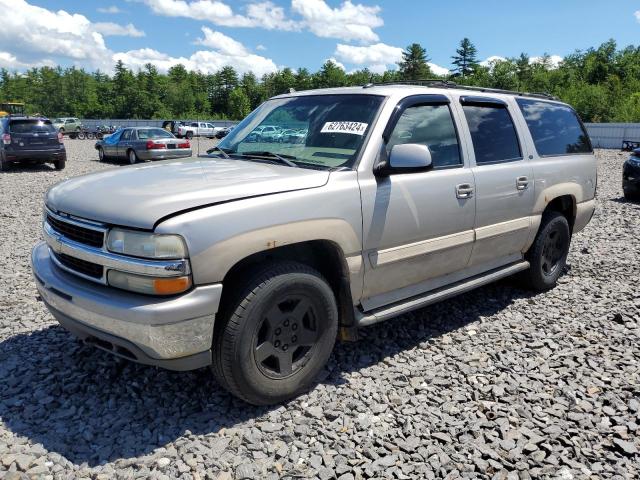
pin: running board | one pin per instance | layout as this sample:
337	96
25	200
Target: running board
440	294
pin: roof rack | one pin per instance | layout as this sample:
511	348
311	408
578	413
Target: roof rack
438	83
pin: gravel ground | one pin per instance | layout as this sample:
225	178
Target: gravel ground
497	383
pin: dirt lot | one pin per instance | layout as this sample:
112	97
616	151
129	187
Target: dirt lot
497	383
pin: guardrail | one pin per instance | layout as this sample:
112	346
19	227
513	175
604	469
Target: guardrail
120	122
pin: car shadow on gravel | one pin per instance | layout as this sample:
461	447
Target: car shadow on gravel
28	168
93	408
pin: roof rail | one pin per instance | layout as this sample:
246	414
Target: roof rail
438	83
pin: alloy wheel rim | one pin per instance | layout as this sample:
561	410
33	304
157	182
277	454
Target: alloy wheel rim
286	337
552	251
132	157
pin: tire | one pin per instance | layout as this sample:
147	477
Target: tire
257	354
91	135
80	136
59	164
632	197
61	130
4	165
189	135
132	157
101	156
548	254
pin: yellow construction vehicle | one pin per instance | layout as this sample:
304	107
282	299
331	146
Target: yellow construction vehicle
11	108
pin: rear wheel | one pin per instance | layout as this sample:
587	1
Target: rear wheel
548	254
276	335
4	165
133	158
189	135
60	164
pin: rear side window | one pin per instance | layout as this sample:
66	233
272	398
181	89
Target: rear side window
429	125
493	133
31	126
555	128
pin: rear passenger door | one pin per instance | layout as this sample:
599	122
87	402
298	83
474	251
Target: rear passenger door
503	180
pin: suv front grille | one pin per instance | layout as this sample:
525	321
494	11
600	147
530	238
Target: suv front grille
81	266
76	233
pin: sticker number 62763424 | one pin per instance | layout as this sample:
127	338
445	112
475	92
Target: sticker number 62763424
353	128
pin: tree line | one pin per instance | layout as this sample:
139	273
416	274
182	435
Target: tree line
602	84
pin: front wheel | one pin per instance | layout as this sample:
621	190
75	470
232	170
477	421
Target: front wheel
276	335
101	155
548	254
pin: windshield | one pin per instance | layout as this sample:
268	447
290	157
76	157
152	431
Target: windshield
322	131
31	126
58	120
145	133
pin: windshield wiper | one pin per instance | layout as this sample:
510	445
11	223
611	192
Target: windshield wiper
221	150
281	157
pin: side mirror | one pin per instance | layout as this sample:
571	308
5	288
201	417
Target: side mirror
406	158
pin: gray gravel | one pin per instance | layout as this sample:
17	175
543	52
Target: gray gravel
497	383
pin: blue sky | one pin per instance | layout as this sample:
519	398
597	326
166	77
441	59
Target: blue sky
263	35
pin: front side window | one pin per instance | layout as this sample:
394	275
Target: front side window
493	133
113	138
430	125
555	128
335	129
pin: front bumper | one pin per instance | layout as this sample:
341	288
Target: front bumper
164	154
173	333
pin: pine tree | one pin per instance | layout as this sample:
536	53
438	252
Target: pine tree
465	60
414	63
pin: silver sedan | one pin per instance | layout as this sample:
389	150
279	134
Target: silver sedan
138	144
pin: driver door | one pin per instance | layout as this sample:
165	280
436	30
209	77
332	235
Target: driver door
418	227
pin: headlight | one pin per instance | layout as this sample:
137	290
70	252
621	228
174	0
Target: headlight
146	245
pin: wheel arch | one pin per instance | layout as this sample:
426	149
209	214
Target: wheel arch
325	256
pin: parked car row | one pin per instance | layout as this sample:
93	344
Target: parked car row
183	129
277	134
30	140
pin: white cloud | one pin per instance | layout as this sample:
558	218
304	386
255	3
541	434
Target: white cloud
438	70
9	61
377	57
222	43
336	62
37	34
637	15
225	51
112	9
261	47
262	14
347	22
378	53
492	60
114	29
553	62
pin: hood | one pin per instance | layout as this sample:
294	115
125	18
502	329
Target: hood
139	196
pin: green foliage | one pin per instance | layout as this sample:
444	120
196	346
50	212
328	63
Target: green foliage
465	58
602	84
414	63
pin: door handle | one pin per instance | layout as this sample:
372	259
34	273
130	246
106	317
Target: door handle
464	190
522	183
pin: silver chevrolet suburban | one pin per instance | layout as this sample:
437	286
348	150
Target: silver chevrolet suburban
255	258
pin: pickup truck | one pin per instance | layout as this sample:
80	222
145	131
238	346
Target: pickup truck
197	129
254	259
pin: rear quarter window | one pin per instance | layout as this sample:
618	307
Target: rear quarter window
555	128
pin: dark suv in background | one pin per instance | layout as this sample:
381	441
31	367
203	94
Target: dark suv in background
30	140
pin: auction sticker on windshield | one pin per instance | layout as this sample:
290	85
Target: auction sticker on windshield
354	128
